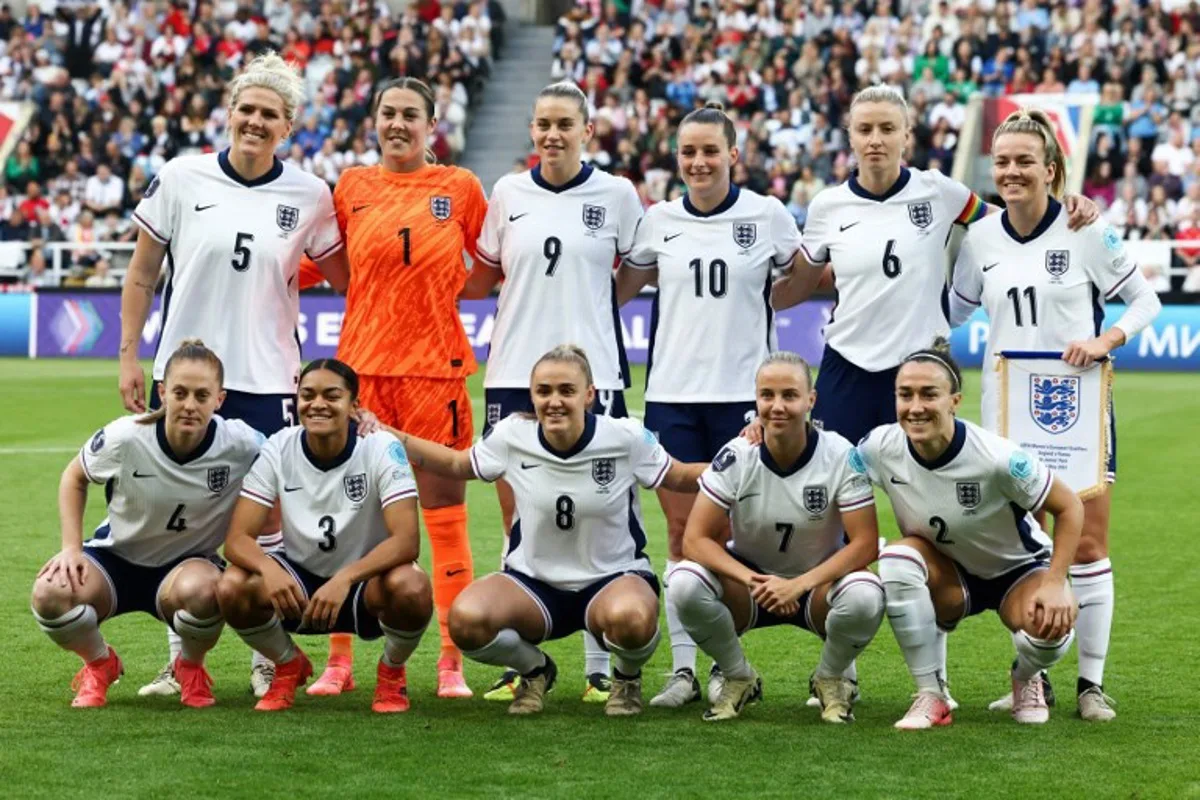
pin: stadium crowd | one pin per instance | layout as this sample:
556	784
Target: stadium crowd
121	89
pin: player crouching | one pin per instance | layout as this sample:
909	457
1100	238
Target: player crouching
350	536
171	481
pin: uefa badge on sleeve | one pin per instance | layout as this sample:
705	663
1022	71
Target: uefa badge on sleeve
920	214
1054	401
439	206
356	487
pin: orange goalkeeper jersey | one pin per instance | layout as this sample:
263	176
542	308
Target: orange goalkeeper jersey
405	235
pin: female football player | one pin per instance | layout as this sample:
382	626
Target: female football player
1041	286
406	223
553	234
789	500
712	253
350	543
233	226
965	501
171	478
576	558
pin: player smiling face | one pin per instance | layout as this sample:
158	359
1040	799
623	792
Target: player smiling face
258	122
325	402
191	393
404	122
783	397
926	402
705	159
561	394
559	132
1021	169
878	133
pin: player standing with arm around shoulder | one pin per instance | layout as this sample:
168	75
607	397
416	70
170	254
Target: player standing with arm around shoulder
553	235
406	225
790	500
171	479
576	557
1043	287
712	253
350	538
965	501
233	227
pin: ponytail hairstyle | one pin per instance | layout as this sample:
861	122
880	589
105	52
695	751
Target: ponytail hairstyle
788	357
422	90
567	90
188	350
339	368
1036	122
269	71
943	360
567	354
713	113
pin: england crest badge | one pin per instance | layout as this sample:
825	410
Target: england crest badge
1054	401
745	234
816	499
356	487
287	217
920	214
604	470
218	479
439	206
593	217
968	493
1058	262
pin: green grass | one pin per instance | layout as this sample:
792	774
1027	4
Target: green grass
151	747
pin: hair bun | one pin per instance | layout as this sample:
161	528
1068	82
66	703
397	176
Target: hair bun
715	104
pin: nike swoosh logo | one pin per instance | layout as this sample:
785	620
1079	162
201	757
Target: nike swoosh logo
292	488
515	217
205	208
529	466
844	228
142	475
450	573
748	496
899	483
357	209
989	266
672	236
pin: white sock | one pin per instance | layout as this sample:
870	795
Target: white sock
629	662
683	649
271	640
509	650
1093	587
693	592
1035	655
197	636
943	639
257	658
398	645
855	613
174	644
910	611
504	552
78	630
595	657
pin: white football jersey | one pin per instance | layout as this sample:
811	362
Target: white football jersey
557	247
160	507
787	521
974	503
332	512
888	254
1041	292
712	322
233	257
578	518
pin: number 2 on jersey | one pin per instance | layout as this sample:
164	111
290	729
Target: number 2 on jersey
328	530
939	525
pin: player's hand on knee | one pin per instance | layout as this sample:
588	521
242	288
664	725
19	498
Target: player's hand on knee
1051	609
777	595
284	594
69	569
133	387
325	605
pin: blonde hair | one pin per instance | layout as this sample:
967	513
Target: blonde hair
567	354
790	358
269	71
566	91
188	350
1036	122
880	93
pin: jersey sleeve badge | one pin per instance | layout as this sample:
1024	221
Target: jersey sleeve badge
857	464
97	443
1020	466
724	460
152	188
1112	241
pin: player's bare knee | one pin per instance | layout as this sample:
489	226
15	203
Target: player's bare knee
50	600
409	590
196	592
470	623
630	622
233	595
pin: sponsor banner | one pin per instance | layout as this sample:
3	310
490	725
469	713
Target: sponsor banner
14	323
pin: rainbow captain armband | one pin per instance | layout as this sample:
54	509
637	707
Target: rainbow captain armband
973	211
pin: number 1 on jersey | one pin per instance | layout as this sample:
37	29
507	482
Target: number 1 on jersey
406	235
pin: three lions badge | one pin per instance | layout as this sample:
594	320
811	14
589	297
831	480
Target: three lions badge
1054	401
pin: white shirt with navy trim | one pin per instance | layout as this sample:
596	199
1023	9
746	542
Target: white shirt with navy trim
975	503
557	247
712	323
233	261
889	263
332	511
162	507
787	521
1042	291
578	517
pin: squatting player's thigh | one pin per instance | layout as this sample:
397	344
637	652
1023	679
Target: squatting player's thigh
491	604
628	596
945	586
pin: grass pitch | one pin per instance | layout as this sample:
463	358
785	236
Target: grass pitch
334	746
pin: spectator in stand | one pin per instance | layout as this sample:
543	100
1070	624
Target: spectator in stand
104	191
1189	257
102	277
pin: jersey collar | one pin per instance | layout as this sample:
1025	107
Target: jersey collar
764	455
589	432
578	180
339	459
894	190
274	172
160	432
721	208
956	445
1052	211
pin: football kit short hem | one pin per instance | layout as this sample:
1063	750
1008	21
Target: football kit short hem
435	409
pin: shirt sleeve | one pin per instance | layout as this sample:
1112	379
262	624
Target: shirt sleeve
100	457
477	206
489	456
854	486
865	457
650	460
643	254
815	239
719	482
1107	262
1024	479
393	473
966	206
491	235
261	484
785	236
967	286
629	214
324	236
340	200
158	211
